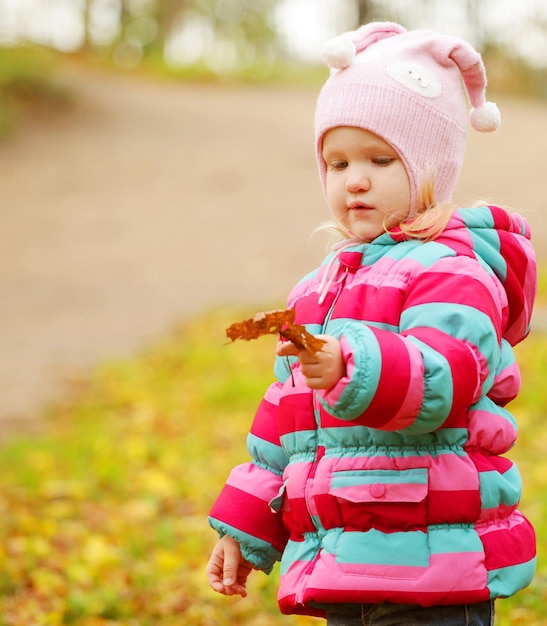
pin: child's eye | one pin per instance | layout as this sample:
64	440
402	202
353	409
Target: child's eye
339	165
383	160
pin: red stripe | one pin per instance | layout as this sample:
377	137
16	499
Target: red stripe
392	388
490	463
463	367
454	507
427	598
289	606
297	517
517	264
502	219
370	303
250	515
508	547
309	311
450	288
296	413
265	424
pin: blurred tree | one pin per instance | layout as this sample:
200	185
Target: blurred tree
474	20
225	33
364	11
235	31
167	12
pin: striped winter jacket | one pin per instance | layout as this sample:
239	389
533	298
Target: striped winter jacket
392	486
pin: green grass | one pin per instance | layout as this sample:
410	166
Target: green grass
104	512
28	82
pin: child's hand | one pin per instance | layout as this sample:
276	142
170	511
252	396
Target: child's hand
321	370
227	570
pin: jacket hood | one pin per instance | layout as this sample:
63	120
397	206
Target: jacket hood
501	242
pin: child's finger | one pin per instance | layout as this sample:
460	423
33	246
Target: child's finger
286	348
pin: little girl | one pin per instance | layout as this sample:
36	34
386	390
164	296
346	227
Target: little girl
377	475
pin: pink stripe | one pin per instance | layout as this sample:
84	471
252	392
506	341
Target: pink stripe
412	401
502	511
258	482
455	571
451	472
506	385
303	287
490	432
469	289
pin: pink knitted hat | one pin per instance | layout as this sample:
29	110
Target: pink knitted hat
408	88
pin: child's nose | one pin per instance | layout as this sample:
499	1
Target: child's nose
357	180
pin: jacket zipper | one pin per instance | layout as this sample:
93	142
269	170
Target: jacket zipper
299	596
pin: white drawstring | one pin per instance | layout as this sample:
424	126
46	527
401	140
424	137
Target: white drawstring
331	272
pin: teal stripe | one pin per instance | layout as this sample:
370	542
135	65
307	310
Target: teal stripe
488	405
282	369
266	453
499	488
448	540
359	393
374	442
438	392
377	548
459	321
508	580
260	553
300	441
426	254
314	329
335	325
299	551
349	478
477	217
486	244
382	326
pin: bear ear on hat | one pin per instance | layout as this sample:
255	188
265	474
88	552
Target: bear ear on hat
485	116
340	51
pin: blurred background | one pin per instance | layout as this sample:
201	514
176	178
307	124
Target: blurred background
232	36
157	183
156	160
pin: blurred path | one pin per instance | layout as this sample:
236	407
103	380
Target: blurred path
150	202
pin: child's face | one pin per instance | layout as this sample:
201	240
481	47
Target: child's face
367	184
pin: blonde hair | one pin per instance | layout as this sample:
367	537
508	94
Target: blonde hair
430	218
426	222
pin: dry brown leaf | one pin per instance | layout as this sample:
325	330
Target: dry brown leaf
276	323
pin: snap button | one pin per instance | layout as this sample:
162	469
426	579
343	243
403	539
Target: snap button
377	490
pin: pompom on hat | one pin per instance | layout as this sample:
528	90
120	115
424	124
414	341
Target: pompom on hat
412	89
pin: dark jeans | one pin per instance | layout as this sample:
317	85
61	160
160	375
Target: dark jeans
388	614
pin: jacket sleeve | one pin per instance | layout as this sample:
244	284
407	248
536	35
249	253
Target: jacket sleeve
242	510
443	358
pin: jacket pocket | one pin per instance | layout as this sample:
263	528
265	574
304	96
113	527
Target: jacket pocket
383	499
